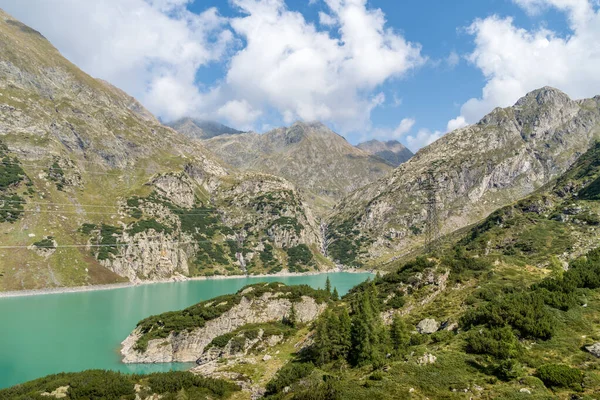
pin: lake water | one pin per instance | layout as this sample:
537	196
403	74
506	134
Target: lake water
46	334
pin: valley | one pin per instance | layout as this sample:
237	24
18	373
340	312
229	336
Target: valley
142	260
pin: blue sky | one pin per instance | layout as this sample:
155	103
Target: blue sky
410	70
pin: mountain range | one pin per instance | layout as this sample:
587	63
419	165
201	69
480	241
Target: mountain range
391	151
94	189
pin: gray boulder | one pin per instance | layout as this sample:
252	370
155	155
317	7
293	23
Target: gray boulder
594	349
428	326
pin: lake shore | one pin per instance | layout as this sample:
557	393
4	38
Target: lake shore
181	278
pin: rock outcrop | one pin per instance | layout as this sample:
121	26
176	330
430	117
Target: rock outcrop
428	326
473	170
310	155
188	346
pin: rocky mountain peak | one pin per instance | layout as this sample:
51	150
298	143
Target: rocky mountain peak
546	95
391	151
201	129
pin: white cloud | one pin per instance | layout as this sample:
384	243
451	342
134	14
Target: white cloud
151	49
456	123
422	138
304	73
239	113
326	19
515	61
275	59
453	59
404	127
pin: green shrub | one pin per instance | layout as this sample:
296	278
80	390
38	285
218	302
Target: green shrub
146	225
173	382
560	376
298	256
221	341
498	342
376	376
525	312
87	229
287	375
47	243
109	245
11	207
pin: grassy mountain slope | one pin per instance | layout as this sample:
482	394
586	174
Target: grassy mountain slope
510	153
508	321
84	164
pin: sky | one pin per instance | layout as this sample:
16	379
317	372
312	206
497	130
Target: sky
410	70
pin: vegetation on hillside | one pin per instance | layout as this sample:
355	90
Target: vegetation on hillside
99	384
162	325
11	175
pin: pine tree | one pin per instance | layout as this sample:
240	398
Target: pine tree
328	285
367	334
322	340
335	296
345	329
399	334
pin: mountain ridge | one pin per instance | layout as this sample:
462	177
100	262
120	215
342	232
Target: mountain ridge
477	169
201	129
311	155
391	151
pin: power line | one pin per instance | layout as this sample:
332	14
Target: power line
45	166
90	213
99	245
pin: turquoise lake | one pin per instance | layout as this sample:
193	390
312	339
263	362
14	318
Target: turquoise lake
46	334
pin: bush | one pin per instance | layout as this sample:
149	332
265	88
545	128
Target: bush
507	369
498	342
288	374
11	207
526	312
97	384
221	341
298	256
560	376
173	382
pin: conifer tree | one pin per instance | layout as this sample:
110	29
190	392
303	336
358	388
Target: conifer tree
322	340
335	296
367	333
345	329
399	333
328	285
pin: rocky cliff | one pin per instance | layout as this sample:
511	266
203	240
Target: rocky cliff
310	155
117	196
474	170
154	341
391	151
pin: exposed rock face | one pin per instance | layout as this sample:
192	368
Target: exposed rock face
594	349
391	151
189	346
476	169
201	129
91	150
428	326
310	155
